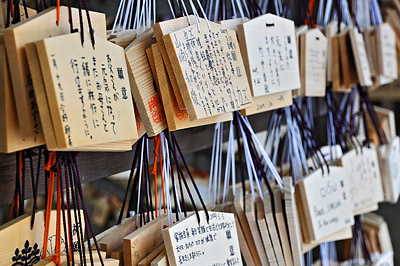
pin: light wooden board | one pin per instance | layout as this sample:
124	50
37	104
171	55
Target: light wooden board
143	241
126	38
272	228
330	30
16	36
363	178
341	235
329	210
149	258
11	138
177	118
188	242
282	230
161	259
244	247
160	30
268	45
347	63
269	102
264	232
292	221
142	84
102	93
239	210
389	156
361	58
313	45
20	237
114	238
209	69
386	51
250	211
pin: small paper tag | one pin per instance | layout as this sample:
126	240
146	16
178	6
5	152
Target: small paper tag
215	243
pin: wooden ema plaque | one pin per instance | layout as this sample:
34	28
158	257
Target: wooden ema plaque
3	14
268	45
214	243
209	69
11	138
160	30
16	36
386	51
330	30
143	89
264	233
360	57
326	202
44	111
363	179
99	109
24	245
176	118
389	156
141	242
313	45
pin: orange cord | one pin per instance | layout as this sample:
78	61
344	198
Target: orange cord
162	180
20	176
154	171
12	8
309	13
52	161
69	230
56	257
58	12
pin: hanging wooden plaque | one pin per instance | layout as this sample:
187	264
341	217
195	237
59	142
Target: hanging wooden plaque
3	14
268	45
143	241
386	51
292	220
11	138
143	89
363	178
330	31
209	69
16	36
313	45
177	118
347	63
389	164
326	202
360	57
101	95
191	243
264	233
160	30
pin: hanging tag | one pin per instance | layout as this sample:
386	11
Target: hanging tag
363	179
272	228
162	29
292	221
330	31
146	97
390	171
149	258
268	44
360	57
190	243
262	103
387	123
125	38
177	118
143	241
24	241
386	51
326	202
370	45
11	137
264	232
378	224
348	77
209	69
313	45
103	74
16	36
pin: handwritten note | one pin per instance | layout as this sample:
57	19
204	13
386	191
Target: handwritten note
360	57
326	202
313	45
88	91
268	45
363	178
213	243
386	51
209	69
